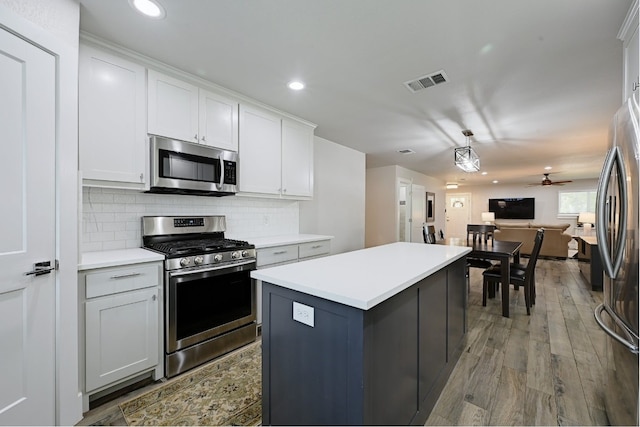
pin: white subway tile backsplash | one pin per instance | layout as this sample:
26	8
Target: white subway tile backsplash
112	217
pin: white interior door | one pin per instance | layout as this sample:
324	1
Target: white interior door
418	212
404	210
27	232
458	215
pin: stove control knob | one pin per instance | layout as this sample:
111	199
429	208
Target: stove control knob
245	254
198	260
235	255
184	262
217	257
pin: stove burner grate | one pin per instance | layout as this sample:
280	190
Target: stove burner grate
196	246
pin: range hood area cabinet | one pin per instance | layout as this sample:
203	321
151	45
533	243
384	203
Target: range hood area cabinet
179	110
276	155
112	127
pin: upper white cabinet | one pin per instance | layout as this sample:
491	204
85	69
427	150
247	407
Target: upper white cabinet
629	36
260	154
180	110
276	154
218	124
297	159
112	123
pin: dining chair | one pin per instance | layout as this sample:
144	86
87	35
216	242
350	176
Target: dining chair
476	233
429	234
518	276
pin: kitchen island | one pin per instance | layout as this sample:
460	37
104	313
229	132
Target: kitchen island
364	337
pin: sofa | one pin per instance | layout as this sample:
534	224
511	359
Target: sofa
555	243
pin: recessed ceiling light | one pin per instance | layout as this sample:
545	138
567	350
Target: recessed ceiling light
548	168
495	181
150	8
484	173
295	85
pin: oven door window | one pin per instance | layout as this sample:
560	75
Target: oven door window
204	303
189	167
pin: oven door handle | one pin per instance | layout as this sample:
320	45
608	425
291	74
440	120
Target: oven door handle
233	267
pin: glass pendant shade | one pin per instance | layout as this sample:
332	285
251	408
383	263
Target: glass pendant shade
467	159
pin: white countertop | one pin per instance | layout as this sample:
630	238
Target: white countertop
89	260
366	277
289	239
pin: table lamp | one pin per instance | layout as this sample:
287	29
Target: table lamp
488	217
587	219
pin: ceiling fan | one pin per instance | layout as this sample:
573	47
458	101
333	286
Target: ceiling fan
547	181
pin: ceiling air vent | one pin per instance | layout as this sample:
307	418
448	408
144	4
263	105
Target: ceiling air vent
426	81
406	151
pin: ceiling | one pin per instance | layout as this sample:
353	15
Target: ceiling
536	81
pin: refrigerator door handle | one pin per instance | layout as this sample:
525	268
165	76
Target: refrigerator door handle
628	342
611	260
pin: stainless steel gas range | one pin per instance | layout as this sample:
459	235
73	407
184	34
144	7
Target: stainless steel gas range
210	301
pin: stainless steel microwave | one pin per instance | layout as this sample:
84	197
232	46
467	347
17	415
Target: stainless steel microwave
186	168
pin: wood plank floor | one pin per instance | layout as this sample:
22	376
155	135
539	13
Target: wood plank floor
543	369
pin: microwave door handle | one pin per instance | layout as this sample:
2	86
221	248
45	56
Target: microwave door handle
221	184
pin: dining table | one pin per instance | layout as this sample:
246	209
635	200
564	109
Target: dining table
498	250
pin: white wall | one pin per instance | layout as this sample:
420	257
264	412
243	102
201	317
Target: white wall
382	214
546	199
338	205
54	24
431	185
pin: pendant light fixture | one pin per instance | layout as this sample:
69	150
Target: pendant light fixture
465	158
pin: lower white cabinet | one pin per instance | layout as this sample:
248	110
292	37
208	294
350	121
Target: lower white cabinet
122	324
286	254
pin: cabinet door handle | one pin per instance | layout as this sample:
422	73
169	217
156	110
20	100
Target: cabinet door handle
203	138
195	136
153	298
280	252
124	276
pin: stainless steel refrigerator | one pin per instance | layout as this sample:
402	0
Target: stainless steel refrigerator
617	235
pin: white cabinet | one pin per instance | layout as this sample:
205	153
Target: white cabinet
180	110
631	52
218	124
286	254
276	155
112	123
122	309
260	154
297	159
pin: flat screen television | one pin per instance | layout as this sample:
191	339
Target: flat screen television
513	208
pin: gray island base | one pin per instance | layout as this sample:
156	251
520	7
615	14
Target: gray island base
326	362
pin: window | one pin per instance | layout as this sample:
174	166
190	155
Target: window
571	203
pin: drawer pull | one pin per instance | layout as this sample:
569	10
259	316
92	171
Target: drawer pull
280	252
124	276
316	246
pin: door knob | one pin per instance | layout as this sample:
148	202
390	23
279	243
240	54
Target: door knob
40	268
